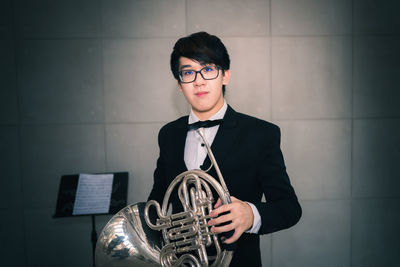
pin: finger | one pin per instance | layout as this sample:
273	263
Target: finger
222	208
224	218
219	202
234	237
224	228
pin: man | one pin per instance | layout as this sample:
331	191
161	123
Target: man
247	151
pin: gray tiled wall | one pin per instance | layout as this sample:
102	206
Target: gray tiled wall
249	87
311	17
60	81
86	86
321	239
311	77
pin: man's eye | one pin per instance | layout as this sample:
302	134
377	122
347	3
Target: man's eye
187	72
208	69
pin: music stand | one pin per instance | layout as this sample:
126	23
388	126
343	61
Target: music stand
67	195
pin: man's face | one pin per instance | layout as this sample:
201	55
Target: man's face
205	96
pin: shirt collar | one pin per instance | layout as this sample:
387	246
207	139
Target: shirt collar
219	115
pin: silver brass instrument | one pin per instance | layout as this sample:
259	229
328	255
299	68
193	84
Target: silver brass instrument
132	238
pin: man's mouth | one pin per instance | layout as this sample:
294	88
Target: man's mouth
201	93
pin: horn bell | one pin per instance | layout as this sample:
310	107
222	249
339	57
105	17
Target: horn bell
126	240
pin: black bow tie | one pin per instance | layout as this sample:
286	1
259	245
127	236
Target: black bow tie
204	124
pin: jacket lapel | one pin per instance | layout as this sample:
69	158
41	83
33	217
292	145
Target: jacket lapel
179	141
224	141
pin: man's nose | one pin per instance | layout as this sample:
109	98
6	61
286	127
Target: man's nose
199	79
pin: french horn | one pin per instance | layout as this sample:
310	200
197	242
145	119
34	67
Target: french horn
134	238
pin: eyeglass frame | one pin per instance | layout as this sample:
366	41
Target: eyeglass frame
199	71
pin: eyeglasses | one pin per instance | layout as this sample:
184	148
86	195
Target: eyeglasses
208	73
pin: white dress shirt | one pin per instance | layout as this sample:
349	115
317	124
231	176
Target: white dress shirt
196	153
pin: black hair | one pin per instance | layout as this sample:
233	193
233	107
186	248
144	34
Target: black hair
202	47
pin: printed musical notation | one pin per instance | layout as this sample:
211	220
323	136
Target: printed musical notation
93	194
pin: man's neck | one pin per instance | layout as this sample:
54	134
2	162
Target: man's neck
195	116
203	116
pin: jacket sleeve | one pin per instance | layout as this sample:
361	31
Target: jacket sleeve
281	209
159	186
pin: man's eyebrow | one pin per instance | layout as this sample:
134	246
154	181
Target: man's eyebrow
185	66
190	66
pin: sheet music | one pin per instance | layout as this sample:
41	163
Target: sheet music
93	194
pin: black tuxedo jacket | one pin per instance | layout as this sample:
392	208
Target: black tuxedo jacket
248	153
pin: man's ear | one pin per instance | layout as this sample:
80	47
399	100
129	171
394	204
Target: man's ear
226	77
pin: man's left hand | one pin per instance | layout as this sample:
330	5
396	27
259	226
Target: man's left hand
240	214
